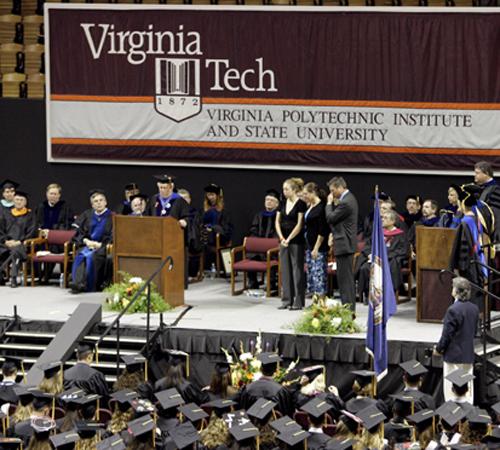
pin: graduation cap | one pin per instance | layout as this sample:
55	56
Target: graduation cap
371	417
42	424
466	194
131	186
463	446
141	425
412	197
213	188
261	408
184	435
142	196
312	372
176	357
84	347
87	400
125	396
71	395
496	408
402	432
169	398
222	367
41	399
336	444
382	196
355	405
316	407
65	441
50	369
134	362
87	430
413	368
243	432
478	416
114	442
292	438
494	436
193	412
235	418
164	178
8	443
273	193
11	362
423	419
25	393
404	399
22	194
142	405
95	191
221	404
285	424
363	377
460	377
269	358
8	184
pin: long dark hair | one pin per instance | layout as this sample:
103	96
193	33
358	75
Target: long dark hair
174	376
313	188
220	383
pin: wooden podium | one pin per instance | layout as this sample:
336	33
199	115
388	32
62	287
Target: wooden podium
434	246
139	246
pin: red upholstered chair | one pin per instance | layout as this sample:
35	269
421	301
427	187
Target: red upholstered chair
54	237
330	429
302	419
256	246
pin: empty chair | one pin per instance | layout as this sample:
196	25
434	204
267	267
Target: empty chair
9	28
11	58
36	85
33	58
13	85
31	28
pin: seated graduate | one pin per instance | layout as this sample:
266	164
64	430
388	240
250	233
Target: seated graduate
82	375
362	388
94	231
215	221
397	253
53	213
261	414
451	215
138	205
52	381
8	190
373	432
430	218
221	384
398	430
125	207
450	416
412	212
24	407
8	384
16	225
267	387
134	374
316	410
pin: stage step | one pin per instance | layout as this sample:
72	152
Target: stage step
28	362
490	349
41	348
36	335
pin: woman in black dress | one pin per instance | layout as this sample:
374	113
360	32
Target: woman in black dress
289	224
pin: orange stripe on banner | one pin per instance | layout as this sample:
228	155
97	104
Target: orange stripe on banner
264	146
282	101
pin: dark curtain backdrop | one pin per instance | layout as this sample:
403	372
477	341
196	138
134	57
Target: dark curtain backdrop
22	140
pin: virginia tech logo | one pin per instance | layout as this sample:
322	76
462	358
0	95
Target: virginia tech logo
178	88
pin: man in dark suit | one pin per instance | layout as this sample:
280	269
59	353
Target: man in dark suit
490	191
456	344
342	216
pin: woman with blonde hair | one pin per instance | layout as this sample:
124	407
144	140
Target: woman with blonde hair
289	225
52	382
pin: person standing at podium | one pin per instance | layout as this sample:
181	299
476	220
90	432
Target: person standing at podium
168	203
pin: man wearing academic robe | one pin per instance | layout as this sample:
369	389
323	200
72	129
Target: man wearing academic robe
266	387
489	192
430	218
7	191
91	267
124	207
54	213
83	376
16	225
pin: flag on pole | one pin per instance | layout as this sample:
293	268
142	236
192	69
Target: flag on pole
381	297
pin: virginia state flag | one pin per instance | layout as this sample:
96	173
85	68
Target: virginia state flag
381	297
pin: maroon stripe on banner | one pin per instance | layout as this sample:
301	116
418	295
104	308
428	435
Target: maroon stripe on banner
271	157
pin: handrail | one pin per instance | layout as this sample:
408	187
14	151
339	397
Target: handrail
146	285
479	263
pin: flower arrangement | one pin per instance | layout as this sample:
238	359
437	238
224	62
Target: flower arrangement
245	368
327	316
119	295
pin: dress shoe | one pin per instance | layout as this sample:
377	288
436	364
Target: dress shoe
295	308
283	307
13	282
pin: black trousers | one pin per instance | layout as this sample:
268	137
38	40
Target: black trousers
345	280
292	275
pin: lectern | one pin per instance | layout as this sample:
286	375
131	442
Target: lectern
139	246
434	246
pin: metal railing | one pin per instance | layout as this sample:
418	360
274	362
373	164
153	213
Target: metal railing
116	322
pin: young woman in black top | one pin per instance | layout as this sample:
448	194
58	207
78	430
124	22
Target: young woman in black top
289	224
316	234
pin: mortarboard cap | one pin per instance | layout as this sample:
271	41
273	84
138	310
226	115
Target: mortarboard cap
460	377
413	368
496	408
363	377
316	407
125	396
84	347
402	432
478	416
71	395
463	447
22	194
50	369
221	403
382	196
134	363
421	417
142	405
41	424
14	360
412	197
242	432
273	193
336	444
214	188
141	425
269	358
184	434
292	438
357	404
41	399
312	372
222	367
87	399
176	357
169	398
8	443
8	184
114	442
164	178
494	436
65	440
261	408
371	417
87	430
143	196
192	411
131	186
406	397
24	391
235	418
95	191
285	424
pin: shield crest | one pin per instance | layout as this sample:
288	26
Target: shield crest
177	88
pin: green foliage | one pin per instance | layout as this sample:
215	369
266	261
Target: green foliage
119	295
324	318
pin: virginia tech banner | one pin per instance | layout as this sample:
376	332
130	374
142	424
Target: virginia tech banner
273	87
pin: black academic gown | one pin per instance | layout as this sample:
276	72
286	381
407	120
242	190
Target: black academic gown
123	208
422	401
84	377
269	389
102	265
263	225
7	394
57	217
318	441
23	431
189	392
